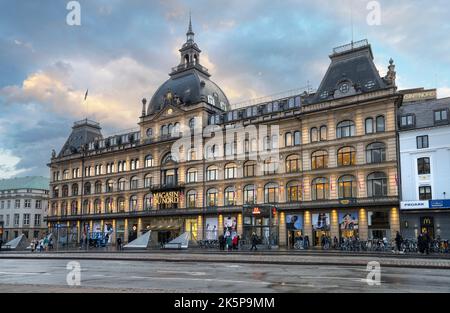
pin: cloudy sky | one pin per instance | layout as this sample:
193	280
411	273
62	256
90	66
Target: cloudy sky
124	49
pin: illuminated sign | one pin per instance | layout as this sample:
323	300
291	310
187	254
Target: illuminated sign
420	95
256	211
165	198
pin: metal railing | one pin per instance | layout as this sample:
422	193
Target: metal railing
351	46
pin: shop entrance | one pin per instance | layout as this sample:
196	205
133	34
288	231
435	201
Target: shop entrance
165	236
294	236
261	221
319	234
427	226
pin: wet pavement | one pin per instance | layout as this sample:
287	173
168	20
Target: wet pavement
33	275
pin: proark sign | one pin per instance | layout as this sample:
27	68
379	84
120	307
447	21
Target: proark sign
412	205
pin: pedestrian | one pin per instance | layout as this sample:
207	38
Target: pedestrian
119	243
306	242
420	243
1	243
221	243
398	241
335	242
238	238
33	245
229	243
235	242
254	240
427	242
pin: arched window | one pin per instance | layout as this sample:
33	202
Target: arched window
230	171
270	166
380	124
148	181
212	152
323	133
212	173
347	187
65	191
250	169
134	183
109	185
230	196
288	139
148	202
271	193
376	153
121	184
314	135
87	188
320	189
319	159
170	130
86	207
293	163
74	208
75	190
346	156
64	208
55	192
133	204
55	209
191	175
293	191
164	130
191	155
369	126
108	205
121	205
191	198
98	187
249	194
167	159
149	161
97	206
297	138
66	174
192	123
377	185
211	197
345	129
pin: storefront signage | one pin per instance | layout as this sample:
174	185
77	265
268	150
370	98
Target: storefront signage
420	95
256	211
165	198
412	205
439	204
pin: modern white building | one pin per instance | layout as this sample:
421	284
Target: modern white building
424	139
23	207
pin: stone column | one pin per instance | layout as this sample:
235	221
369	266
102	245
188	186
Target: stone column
394	221
139	227
308	226
220	225
114	236
334	227
282	230
240	224
125	235
363	225
199	227
78	231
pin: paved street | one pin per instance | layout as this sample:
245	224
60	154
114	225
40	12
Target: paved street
32	275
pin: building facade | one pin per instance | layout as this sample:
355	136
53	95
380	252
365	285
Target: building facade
322	163
425	167
24	206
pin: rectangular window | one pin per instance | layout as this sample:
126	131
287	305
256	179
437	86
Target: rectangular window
423	166
407	120
425	193
37	220
17	204
26	219
38	204
440	116
2	205
7	220
422	142
27	203
16	219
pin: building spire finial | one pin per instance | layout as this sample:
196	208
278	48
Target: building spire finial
190	34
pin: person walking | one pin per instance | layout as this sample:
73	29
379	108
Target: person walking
221	243
119	243
398	241
1	243
254	240
427	242
420	243
235	242
229	243
33	245
306	242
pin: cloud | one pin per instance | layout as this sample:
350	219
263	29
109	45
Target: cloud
8	165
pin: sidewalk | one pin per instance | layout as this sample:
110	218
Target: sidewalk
236	257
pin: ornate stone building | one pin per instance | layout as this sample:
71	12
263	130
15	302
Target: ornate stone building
331	167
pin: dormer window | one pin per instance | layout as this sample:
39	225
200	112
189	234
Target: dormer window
211	100
344	87
370	84
324	94
407	120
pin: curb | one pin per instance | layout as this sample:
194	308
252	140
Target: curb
245	261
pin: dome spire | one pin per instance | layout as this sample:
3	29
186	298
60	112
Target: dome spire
190	34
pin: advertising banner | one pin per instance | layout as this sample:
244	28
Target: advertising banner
211	228
294	222
321	221
348	221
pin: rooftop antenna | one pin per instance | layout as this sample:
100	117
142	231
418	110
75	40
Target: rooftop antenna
351	20
86	103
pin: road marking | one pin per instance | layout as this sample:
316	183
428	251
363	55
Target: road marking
203	279
183	272
15	273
